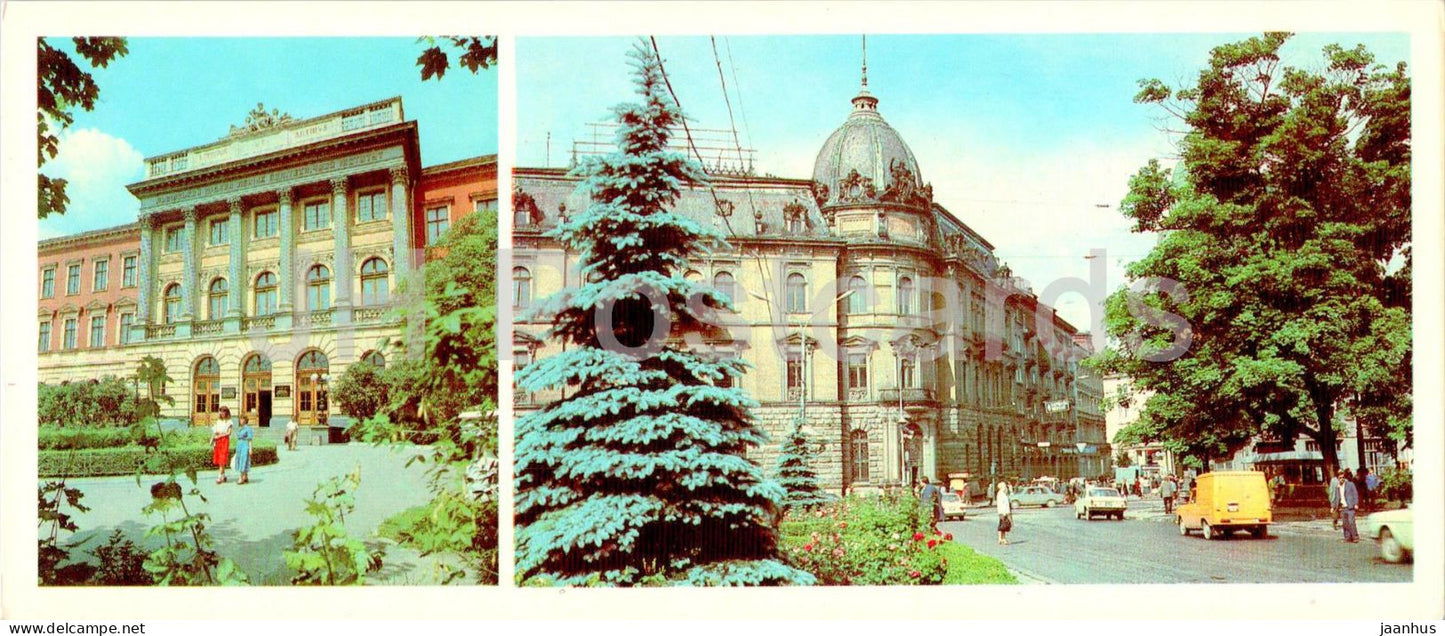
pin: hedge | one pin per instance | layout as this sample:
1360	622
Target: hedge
97	462
63	438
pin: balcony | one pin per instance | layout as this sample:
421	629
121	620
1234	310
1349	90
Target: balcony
155	332
259	323
913	398
369	314
206	328
320	318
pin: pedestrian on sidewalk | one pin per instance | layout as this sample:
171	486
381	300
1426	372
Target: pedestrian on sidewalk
1334	494
1349	501
931	498
1166	492
293	431
221	444
243	449
1005	511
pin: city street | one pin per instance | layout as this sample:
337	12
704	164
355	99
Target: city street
1051	546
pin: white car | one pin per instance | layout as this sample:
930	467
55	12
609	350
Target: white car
1105	502
1394	530
954	506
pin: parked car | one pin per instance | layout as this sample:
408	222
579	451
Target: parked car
1225	501
954	506
1036	496
1394	530
1105	502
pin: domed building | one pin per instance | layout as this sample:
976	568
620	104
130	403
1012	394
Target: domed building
865	308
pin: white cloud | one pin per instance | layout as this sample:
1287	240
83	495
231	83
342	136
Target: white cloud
96	167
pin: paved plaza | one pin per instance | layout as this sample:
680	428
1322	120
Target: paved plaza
253	523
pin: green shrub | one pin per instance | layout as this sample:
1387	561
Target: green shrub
885	540
1397	484
55	438
108	401
361	392
97	462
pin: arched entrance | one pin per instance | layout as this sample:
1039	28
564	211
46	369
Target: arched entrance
256	390
311	378
205	391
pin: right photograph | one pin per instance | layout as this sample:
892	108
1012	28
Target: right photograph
963	309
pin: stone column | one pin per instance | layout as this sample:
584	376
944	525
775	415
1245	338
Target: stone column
145	296
341	233
286	284
238	284
401	222
189	296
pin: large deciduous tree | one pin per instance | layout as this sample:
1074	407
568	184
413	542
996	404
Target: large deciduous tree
1287	224
63	85
639	476
473	53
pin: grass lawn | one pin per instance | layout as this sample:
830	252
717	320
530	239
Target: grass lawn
966	567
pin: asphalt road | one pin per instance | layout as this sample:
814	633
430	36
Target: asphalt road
1051	546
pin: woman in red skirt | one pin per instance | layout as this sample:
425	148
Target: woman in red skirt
221	443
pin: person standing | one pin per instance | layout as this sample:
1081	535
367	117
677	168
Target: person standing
1334	495
1005	511
930	497
1368	482
1349	501
243	449
293	431
989	492
221	444
1166	492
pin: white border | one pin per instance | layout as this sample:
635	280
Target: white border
23	21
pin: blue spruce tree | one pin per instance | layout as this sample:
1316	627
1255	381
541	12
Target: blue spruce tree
640	476
795	473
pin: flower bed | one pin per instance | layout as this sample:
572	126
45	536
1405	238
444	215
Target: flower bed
866	541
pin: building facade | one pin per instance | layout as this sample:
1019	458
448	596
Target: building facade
262	265
865	308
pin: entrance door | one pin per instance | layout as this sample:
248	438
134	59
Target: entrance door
311	377
256	390
206	392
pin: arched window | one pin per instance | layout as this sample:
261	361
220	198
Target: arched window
375	359
907	369
311	380
521	287
318	288
797	294
173	303
373	282
265	294
206	391
693	275
858	443
858	298
218	299
905	296
724	283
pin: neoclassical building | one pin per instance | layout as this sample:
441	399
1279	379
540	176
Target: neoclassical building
261	265
865	307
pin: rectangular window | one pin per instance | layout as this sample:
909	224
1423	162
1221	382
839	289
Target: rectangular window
45	336
173	240
909	377
97	332
857	371
72	280
371	206
47	283
438	220
795	371
126	320
69	341
220	232
265	223
484	205
101	278
128	272
316	216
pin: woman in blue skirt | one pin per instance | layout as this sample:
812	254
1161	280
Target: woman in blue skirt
243	451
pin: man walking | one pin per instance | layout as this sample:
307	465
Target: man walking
1349	502
1166	492
1334	494
932	499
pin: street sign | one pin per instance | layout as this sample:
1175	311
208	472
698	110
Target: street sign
1056	406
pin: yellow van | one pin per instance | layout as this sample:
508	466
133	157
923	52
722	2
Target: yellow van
1222	502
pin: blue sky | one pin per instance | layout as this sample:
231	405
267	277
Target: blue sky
174	93
1022	136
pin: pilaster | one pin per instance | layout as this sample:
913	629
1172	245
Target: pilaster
286	283
401	221
188	283
238	283
341	234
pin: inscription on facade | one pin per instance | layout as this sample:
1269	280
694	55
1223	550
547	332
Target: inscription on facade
271	180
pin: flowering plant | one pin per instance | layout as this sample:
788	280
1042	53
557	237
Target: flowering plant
883	540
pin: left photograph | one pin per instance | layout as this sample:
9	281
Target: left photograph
267	280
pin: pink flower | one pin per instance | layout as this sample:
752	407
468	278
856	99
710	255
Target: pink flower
843	524
932	543
838	552
918	536
948	537
914	573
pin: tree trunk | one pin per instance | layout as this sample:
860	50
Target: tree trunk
1324	432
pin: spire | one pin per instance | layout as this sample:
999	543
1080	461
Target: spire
865	101
865	61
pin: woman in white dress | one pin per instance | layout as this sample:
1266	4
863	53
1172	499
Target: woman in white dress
1005	511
